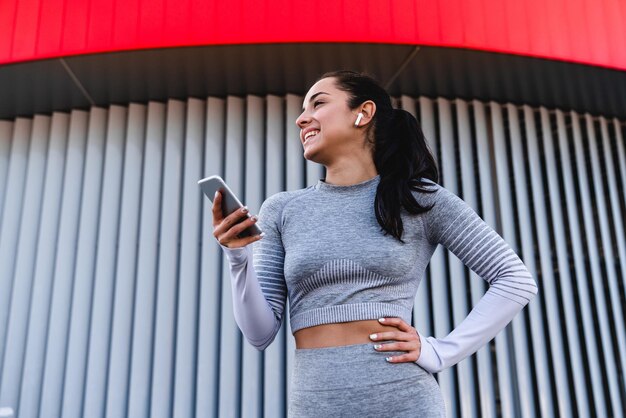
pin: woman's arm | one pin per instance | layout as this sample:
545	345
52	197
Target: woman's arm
252	313
258	285
454	224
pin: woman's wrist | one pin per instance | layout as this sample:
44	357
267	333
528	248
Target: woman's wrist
428	358
237	255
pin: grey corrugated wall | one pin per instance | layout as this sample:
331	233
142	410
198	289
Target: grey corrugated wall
114	296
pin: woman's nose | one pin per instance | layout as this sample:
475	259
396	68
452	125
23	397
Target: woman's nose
302	120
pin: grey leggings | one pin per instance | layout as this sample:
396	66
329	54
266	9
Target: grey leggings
357	381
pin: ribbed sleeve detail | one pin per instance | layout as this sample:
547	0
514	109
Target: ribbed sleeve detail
269	255
455	225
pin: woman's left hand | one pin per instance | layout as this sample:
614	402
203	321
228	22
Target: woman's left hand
407	336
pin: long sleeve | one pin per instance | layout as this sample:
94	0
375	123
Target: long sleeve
258	285
454	224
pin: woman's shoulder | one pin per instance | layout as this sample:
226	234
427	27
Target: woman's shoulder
426	190
277	201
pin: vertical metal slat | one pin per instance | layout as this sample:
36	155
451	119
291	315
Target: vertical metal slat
607	248
524	398
120	312
59	318
209	313
566	300
10	222
6	129
251	363
585	305
487	186
547	284
36	323
484	358
544	380
104	274
184	266
75	360
596	278
19	305
230	337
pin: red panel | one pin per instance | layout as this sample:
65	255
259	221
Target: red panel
428	25
516	26
587	31
496	28
473	15
100	29
559	28
575	15
152	20
126	24
539	39
76	20
616	16
356	17
597	31
452	21
25	29
404	23
7	22
49	41
378	18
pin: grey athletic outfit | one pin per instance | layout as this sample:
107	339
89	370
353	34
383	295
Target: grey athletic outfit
325	252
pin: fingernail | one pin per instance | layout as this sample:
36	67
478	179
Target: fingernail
262	234
381	320
254	218
377	346
244	209
388	359
216	193
373	336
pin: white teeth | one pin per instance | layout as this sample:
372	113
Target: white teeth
309	134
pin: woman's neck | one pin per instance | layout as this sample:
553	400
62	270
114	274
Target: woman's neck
348	175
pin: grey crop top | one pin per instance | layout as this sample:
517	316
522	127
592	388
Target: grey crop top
325	252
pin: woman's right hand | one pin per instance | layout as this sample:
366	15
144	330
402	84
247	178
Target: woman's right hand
225	230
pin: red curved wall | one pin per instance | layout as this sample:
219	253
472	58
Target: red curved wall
584	31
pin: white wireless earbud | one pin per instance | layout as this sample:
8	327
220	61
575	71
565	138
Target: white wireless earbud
358	119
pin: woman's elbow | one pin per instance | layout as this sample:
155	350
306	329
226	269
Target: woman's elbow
261	346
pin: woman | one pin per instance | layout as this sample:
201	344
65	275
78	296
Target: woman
351	251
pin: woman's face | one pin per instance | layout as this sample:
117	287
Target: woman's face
327	129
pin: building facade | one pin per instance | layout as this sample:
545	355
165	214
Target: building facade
114	296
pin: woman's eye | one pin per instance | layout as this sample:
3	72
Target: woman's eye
316	103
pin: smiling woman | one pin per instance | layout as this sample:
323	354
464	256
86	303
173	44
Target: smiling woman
350	252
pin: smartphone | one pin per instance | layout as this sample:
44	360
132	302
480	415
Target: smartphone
230	203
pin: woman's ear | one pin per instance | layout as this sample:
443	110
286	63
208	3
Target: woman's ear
368	109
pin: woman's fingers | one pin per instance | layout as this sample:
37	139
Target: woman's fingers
404	358
398	323
242	226
393	335
226	223
226	229
407	337
230	236
217	209
242	242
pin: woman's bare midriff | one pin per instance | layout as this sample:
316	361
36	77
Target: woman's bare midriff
344	333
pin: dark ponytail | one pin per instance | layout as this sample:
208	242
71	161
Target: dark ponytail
401	154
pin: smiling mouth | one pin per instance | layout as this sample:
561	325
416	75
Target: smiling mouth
310	135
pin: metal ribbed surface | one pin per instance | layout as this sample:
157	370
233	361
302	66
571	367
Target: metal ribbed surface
114	296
